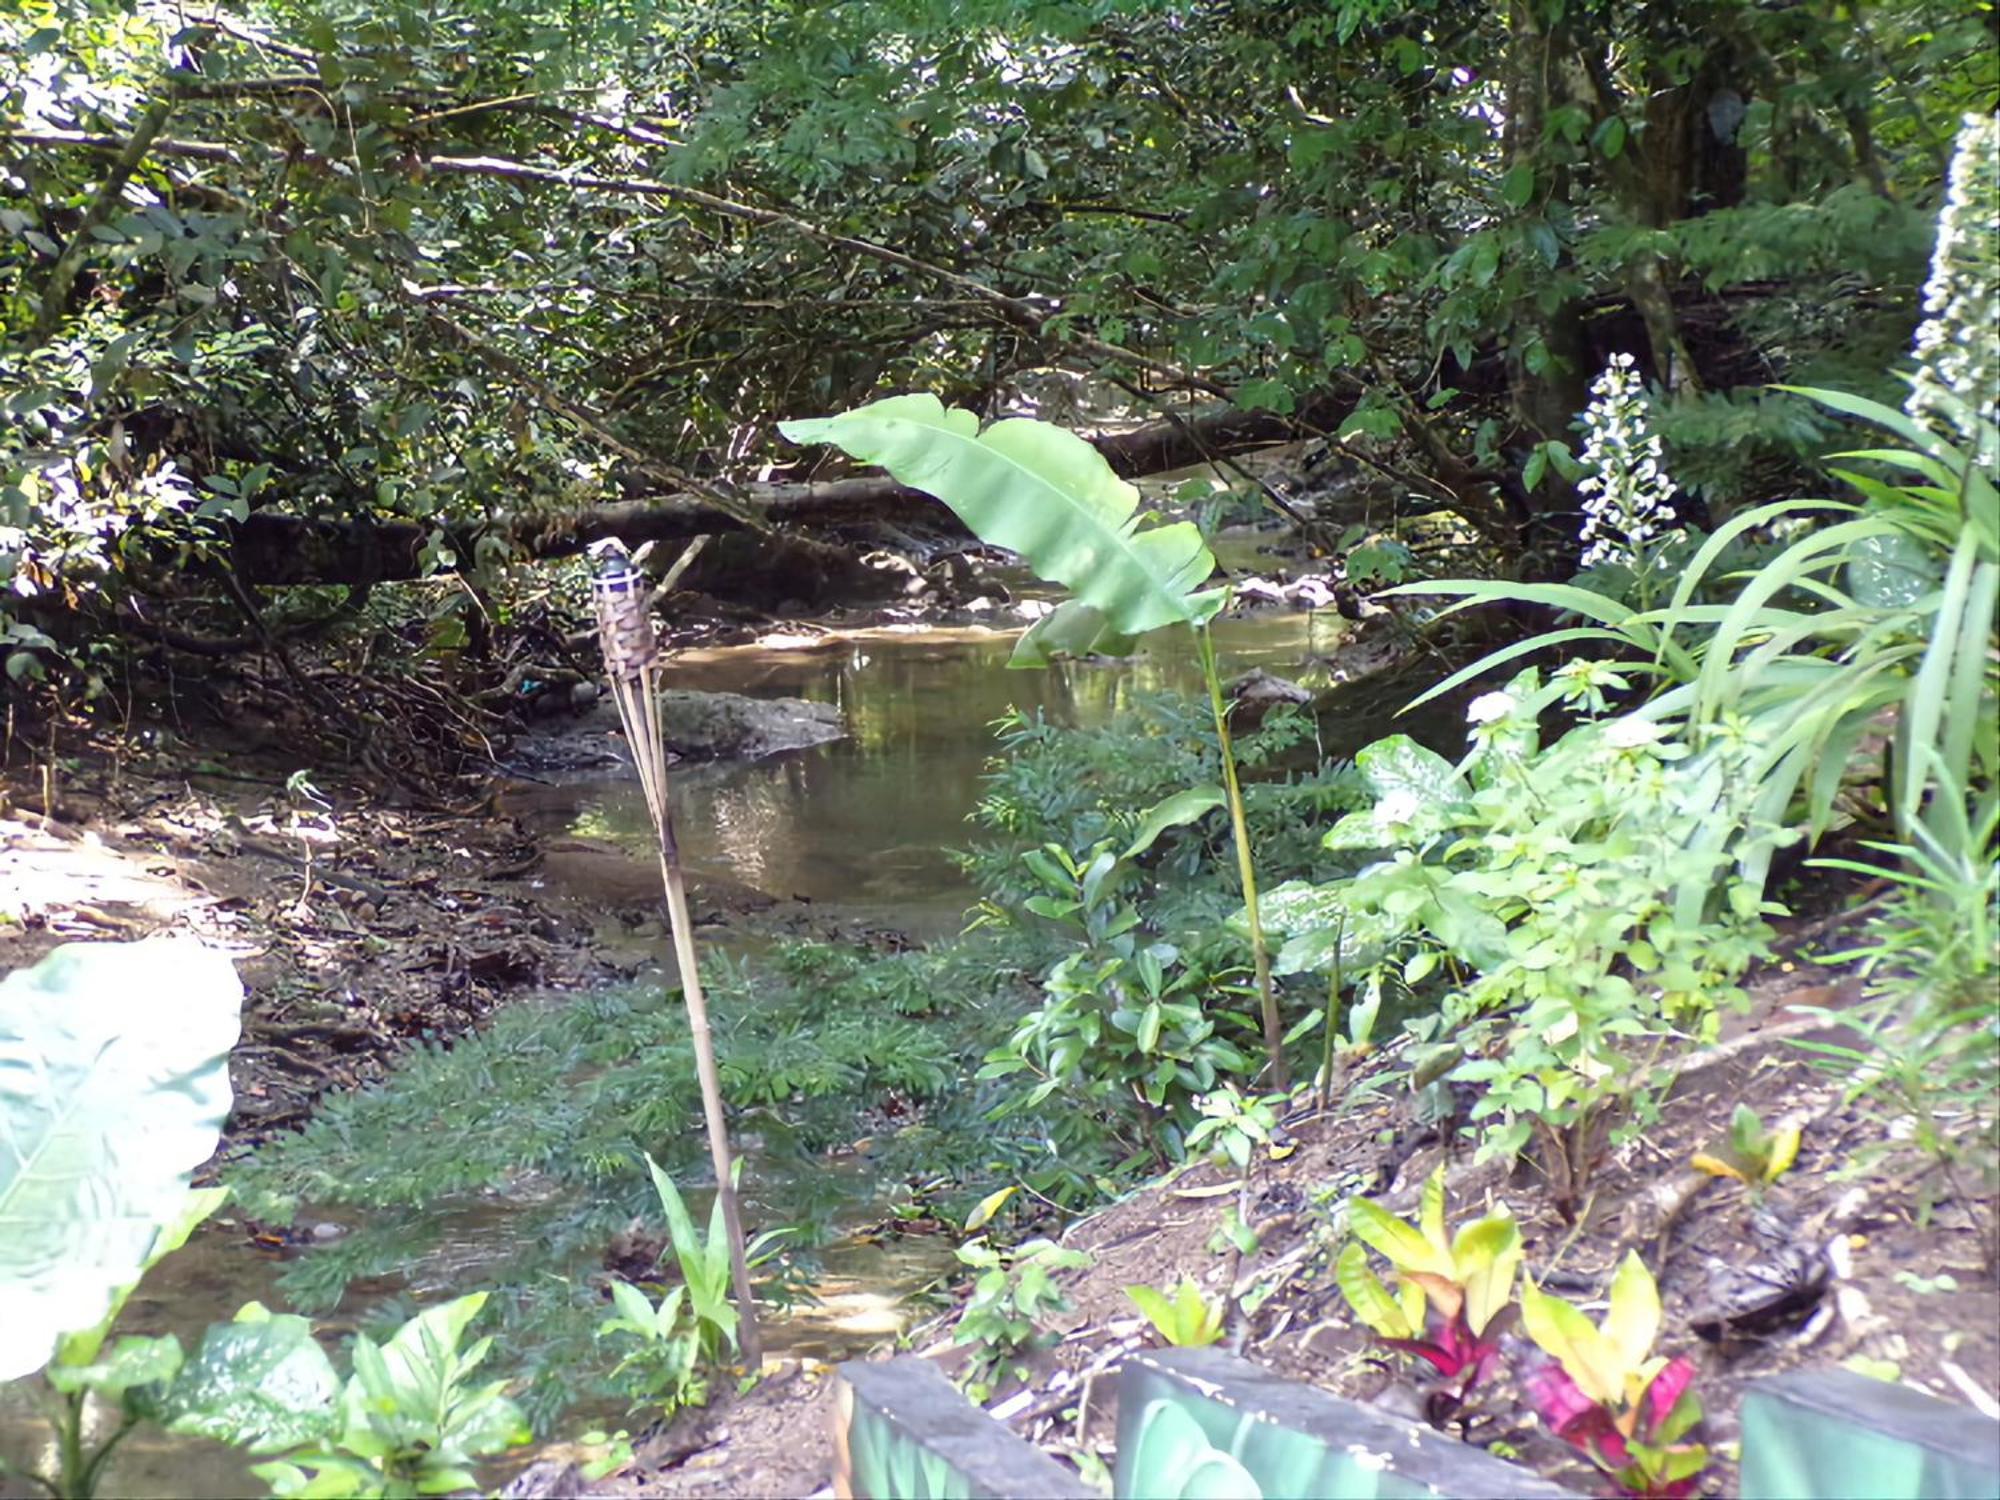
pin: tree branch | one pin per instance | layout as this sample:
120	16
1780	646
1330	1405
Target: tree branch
93	141
62	275
269	549
1023	312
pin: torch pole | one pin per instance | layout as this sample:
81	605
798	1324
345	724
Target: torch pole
631	660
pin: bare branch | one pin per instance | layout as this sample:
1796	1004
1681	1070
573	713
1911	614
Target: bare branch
62	275
90	141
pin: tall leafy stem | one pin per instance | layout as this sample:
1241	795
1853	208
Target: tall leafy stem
1046	494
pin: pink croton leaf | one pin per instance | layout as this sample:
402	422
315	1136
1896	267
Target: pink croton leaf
1664	1422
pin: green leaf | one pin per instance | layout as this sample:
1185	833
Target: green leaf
1041	492
134	1361
261	1383
1399	764
1177	811
680	1229
1892	571
1517	188
1536	466
1902	425
1073	629
114	1084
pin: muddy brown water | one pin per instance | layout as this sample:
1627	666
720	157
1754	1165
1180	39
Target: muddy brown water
859	829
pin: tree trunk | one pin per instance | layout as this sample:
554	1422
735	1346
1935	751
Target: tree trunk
1546	399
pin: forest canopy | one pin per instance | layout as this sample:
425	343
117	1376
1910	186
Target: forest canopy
457	276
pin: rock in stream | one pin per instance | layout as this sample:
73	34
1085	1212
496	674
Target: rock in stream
729	726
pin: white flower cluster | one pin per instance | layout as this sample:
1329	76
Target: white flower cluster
1627	495
1957	386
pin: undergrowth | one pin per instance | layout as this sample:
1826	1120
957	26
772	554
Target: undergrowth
1074	787
513	1158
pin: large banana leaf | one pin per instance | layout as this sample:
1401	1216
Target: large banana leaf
1043	493
114	1083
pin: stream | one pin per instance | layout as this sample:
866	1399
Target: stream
858	829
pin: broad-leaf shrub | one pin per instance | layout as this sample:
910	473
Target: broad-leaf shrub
1129	1033
1609	1395
408	1421
1013	1295
1452	1292
1534	887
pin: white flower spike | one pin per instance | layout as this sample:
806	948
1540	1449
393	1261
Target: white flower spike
1627	495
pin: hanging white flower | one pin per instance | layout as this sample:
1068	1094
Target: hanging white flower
1956	389
1626	495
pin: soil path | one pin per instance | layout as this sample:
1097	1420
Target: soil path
357	926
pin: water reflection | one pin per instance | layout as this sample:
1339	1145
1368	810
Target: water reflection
864	823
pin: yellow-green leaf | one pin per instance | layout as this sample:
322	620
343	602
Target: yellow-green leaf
1784	1151
1634	1320
1715	1166
1370	1300
1402	1246
1430	1215
988	1206
1487	1255
1564	1333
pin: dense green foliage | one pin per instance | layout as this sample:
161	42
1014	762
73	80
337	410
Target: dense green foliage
553	1107
462	273
421	263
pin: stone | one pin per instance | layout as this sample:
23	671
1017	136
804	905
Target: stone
1253	695
729	726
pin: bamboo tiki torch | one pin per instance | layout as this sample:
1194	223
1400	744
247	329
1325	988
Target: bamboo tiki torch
632	662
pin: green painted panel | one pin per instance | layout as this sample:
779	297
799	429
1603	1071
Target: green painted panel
1198	1424
1835	1435
901	1431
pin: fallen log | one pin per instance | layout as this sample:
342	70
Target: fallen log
272	549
